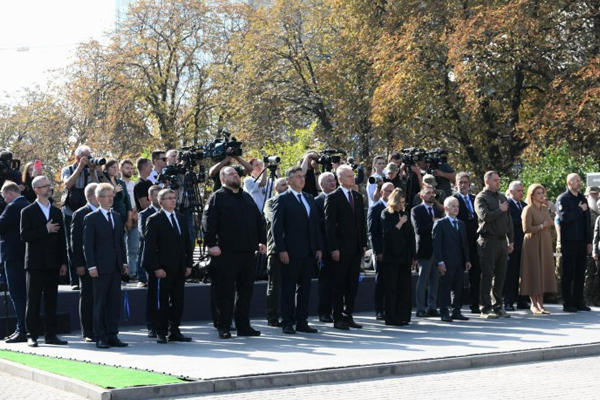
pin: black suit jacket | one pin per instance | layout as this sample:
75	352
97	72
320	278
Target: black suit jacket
346	228
43	250
449	245
103	246
469	220
294	230
423	225
515	214
398	244
374	226
164	247
320	202
77	235
13	248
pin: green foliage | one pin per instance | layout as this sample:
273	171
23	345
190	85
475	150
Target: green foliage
552	167
292	149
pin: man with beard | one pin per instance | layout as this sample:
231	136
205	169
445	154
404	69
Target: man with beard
132	234
233	231
591	290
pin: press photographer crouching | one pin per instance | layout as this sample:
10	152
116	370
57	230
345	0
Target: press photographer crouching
75	177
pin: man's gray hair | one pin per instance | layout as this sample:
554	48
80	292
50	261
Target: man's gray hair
449	200
513	185
343	167
81	148
10	186
324	176
103	187
90	189
37	181
163	193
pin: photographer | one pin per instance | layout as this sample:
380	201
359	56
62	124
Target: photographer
254	186
172	157
76	177
159	161
9	169
214	171
444	174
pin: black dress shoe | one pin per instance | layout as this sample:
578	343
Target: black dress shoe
224	333
460	317
421	314
350	322
274	323
379	315
475	309
12	335
55	340
116	342
19	338
306	328
102	344
509	307
325	318
583	308
32	342
162	339
288	330
248	332
152	333
433	313
341	325
569	309
446	316
178	337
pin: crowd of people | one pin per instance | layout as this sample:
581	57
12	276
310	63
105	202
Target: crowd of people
307	223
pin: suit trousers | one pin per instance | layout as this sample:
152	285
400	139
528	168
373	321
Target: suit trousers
295	290
86	305
451	283
326	287
166	301
72	273
41	283
574	255
234	273
345	274
107	305
379	291
474	276
273	288
427	281
132	242
493	254
17	286
513	274
398	291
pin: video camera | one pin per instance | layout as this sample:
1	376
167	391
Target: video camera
411	155
223	147
436	157
329	157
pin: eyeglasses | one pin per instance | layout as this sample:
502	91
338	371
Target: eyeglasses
43	187
162	158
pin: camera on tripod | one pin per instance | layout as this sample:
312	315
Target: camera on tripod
435	158
329	157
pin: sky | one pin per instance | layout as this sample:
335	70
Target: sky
50	30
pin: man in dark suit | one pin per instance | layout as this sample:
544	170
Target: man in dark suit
451	254
105	257
376	238
466	213
13	255
233	230
328	184
153	208
42	231
298	242
86	294
513	271
347	242
273	263
422	217
168	258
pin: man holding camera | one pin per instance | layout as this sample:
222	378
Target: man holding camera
255	187
214	171
159	161
233	231
75	178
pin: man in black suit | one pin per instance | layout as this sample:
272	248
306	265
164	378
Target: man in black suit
153	208
513	270
13	255
168	258
451	254
105	257
347	242
298	242
42	231
233	231
376	238
423	217
466	213
86	294
273	263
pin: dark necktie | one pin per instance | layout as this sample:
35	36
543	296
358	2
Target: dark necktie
455	222
431	212
351	199
110	220
174	223
518	203
469	207
302	203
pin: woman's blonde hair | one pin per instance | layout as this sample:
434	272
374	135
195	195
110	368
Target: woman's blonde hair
394	199
531	190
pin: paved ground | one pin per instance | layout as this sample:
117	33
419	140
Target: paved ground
15	388
575	379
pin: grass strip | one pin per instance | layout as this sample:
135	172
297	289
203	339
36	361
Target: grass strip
100	375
